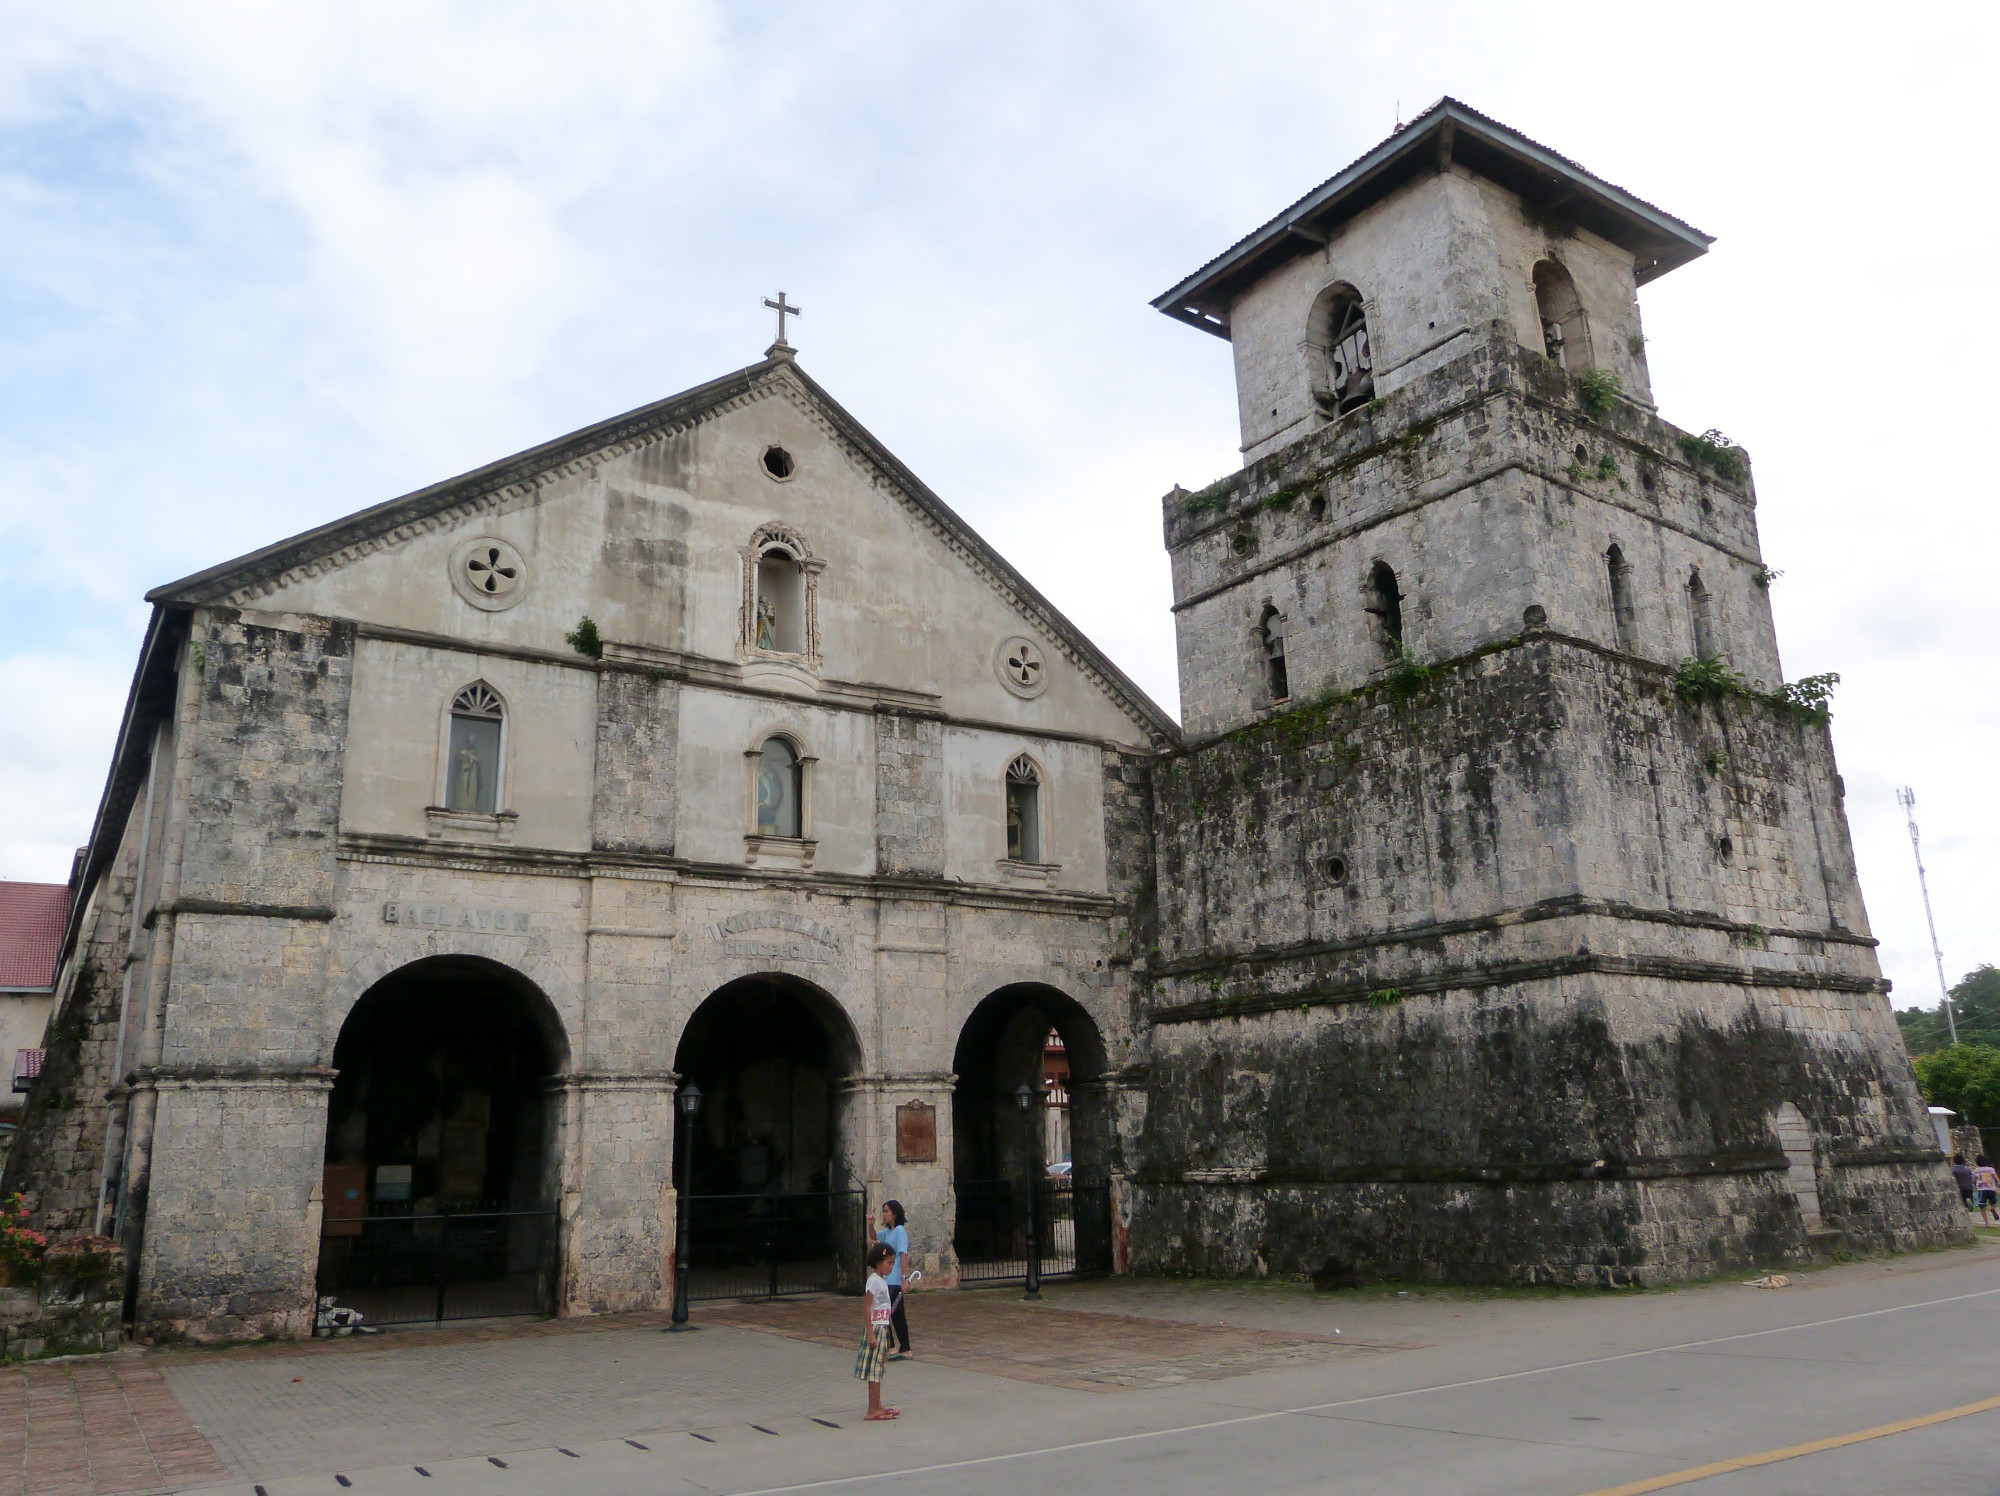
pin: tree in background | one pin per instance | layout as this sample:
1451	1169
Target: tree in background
1966	1078
1977	1000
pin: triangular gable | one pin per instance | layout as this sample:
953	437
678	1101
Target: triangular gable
514	478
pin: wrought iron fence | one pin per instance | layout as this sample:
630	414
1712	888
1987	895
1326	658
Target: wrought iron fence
1072	1229
765	1246
480	1262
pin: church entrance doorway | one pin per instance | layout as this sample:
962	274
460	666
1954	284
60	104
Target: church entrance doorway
441	1148
1029	1132
771	1207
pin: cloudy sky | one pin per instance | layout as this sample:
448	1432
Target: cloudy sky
262	265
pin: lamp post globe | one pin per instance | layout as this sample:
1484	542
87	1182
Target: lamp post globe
689	1103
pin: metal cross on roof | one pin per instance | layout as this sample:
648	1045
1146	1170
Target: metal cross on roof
783	310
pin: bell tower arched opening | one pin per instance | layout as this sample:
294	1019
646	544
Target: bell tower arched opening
443	1146
1565	331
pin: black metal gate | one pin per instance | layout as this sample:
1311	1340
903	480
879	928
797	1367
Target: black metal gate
475	1263
765	1246
1072	1230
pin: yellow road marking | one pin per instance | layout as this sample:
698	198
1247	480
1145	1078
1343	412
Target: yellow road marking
1793	1451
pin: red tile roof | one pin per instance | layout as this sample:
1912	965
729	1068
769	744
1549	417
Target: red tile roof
32	916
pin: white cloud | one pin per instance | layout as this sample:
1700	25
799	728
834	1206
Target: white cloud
265	265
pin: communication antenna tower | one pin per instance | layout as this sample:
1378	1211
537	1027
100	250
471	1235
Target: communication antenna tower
1907	798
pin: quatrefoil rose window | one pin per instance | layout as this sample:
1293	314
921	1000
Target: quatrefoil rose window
1023	668
489	573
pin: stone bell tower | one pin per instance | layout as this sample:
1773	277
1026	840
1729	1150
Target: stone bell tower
1493	944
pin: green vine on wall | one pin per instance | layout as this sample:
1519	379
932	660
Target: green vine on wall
1597	391
585	639
1708	679
1407	674
1717	453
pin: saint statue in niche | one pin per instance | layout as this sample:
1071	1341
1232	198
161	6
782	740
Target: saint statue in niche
767	624
778	790
466	792
1014	828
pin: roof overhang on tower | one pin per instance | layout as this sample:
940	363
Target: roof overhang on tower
1445	133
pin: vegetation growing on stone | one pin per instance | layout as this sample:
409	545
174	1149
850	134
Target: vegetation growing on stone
1386	997
585	639
1717	453
1764	576
1407	674
1597	391
1709	679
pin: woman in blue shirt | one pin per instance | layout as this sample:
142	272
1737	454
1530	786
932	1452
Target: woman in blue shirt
895	1235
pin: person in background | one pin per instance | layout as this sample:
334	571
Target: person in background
895	1235
874	1353
1961	1174
1986	1183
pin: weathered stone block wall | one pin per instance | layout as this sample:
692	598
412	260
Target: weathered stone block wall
1435	262
62	1317
909	795
237	1132
638	780
58	1150
619	1204
1465	986
232	1244
264	799
1482	485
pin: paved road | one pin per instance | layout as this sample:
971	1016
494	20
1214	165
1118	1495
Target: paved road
1560	1397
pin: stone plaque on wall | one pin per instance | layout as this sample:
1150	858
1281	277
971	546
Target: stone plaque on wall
916	1134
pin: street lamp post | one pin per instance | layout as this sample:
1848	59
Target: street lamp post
1024	1098
689	1102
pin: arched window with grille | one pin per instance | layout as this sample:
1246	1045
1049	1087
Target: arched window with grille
780	790
474	748
1024	810
1343	373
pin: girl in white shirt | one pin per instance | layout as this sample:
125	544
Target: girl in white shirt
873	1357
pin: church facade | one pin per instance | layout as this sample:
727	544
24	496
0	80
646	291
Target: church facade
1457	930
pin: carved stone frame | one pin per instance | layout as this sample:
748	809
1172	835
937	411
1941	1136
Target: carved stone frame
789	542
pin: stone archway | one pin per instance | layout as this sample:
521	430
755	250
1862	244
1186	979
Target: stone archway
1030	1034
444	1147
773	1202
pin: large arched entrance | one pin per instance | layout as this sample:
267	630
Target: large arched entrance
772	1204
443	1147
1057	1144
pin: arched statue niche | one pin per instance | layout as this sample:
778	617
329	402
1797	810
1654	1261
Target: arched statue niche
1035	1036
773	1203
443	1146
1565	329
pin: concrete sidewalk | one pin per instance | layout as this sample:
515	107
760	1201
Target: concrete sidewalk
762	1395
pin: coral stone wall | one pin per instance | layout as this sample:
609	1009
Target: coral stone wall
1463	986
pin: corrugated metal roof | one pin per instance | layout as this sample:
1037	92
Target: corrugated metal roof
1533	168
32	916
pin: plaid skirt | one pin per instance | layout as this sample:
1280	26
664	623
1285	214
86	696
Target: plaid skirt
873	1357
